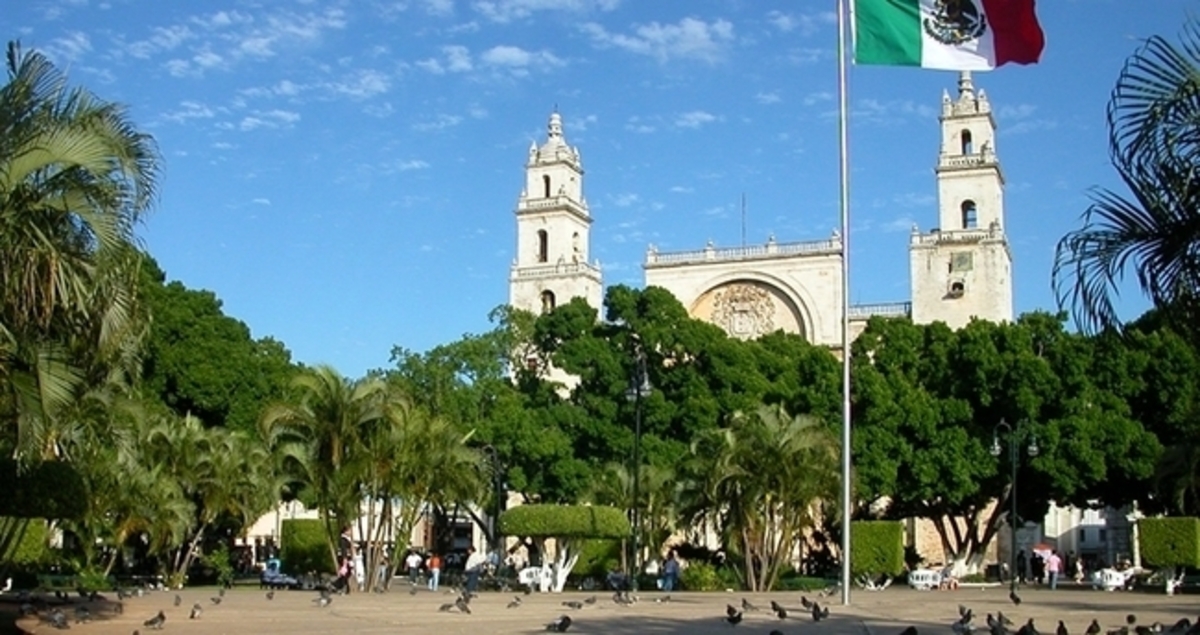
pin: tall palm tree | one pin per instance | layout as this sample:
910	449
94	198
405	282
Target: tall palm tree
1154	143
75	178
324	428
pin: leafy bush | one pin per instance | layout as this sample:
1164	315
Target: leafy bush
93	580
32	550
1170	542
597	557
564	521
700	576
303	548
876	547
221	562
53	490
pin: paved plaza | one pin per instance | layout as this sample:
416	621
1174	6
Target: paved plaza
871	613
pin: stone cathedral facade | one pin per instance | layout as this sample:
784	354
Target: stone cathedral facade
960	270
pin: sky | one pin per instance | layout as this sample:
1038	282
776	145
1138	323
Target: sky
343	175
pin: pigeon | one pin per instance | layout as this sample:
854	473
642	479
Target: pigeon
573	605
221	592
1062	629
1004	621
1016	599
806	603
196	611
463	604
731	610
1131	619
323	601
911	630
178	600
58	620
819	613
82	614
735	618
156	622
780	612
446	608
560	624
747	606
515	602
590	600
413	590
665	598
271	594
826	592
1028	629
1182	626
216	600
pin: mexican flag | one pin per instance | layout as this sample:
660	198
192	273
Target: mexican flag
961	35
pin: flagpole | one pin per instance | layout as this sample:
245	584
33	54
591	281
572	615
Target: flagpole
844	170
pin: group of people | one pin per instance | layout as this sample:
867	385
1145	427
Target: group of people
1049	568
413	564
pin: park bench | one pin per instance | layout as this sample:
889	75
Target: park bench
57	582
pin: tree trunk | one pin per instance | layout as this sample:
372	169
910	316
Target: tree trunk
190	552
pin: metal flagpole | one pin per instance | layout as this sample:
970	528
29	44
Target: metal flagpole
845	209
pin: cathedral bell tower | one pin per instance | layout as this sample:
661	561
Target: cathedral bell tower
553	223
962	269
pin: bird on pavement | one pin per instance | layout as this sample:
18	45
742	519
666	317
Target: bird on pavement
779	610
157	621
735	618
178	600
819	613
590	600
731	610
323	601
463	604
1028	629
806	603
572	604
560	624
515	602
271	594
1062	629
747	606
1016	599
1181	626
1094	628
196	611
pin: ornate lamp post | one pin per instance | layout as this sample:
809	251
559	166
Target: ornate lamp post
1014	436
497	498
639	388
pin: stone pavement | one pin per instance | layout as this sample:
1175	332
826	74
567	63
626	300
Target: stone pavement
871	613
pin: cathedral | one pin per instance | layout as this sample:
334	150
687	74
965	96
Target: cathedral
961	269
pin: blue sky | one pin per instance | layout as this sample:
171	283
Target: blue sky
343	174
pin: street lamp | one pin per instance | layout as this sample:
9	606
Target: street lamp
1014	436
639	389
497	496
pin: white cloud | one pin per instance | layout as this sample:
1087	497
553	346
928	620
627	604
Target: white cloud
189	110
690	38
440	122
477	112
767	98
439	7
269	119
262	201
680	189
694	119
807	24
508	10
415	164
362	84
458	58
516	57
1018	111
625	200
69	48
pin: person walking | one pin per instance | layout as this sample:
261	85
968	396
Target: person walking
670	572
434	564
1054	567
1022	567
413	564
473	568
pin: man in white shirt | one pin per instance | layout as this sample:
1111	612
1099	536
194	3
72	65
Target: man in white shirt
474	567
413	564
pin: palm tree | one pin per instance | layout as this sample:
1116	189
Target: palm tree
759	481
75	178
324	429
1154	143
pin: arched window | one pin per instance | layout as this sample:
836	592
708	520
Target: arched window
546	184
543	246
970	218
547	301
967	146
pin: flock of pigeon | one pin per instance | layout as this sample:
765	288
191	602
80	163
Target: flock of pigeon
964	624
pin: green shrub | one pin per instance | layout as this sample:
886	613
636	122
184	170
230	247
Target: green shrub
1170	542
32	550
597	557
700	576
876	547
53	490
221	562
564	521
93	580
303	547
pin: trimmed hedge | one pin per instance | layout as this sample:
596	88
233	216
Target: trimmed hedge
53	490
876	547
564	521
303	547
1170	542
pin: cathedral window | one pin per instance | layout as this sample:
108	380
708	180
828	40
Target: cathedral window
543	246
967	146
546	184
970	216
547	301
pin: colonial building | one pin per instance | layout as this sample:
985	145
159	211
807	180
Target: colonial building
961	269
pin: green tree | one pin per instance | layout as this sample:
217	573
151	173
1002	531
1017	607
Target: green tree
1154	145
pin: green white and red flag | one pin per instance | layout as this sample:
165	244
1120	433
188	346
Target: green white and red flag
962	35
